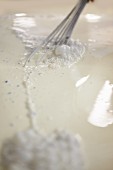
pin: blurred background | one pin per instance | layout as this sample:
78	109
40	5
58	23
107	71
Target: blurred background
10	6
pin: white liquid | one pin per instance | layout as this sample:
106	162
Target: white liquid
64	98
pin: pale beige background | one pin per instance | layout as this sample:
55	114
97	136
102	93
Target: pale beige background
37	5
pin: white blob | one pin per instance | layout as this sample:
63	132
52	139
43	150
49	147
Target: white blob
59	151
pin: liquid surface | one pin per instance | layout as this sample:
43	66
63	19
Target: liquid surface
78	99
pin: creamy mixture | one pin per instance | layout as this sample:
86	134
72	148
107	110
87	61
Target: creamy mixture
64	55
78	99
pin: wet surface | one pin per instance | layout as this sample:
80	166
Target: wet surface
77	99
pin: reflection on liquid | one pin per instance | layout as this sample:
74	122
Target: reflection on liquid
102	114
23	25
20	15
92	17
22	21
81	81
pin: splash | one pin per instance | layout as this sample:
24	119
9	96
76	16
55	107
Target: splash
27	28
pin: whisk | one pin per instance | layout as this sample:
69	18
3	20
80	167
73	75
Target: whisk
61	35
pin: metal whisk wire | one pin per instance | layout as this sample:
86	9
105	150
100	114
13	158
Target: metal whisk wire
66	33
63	31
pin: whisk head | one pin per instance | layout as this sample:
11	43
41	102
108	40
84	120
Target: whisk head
61	35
